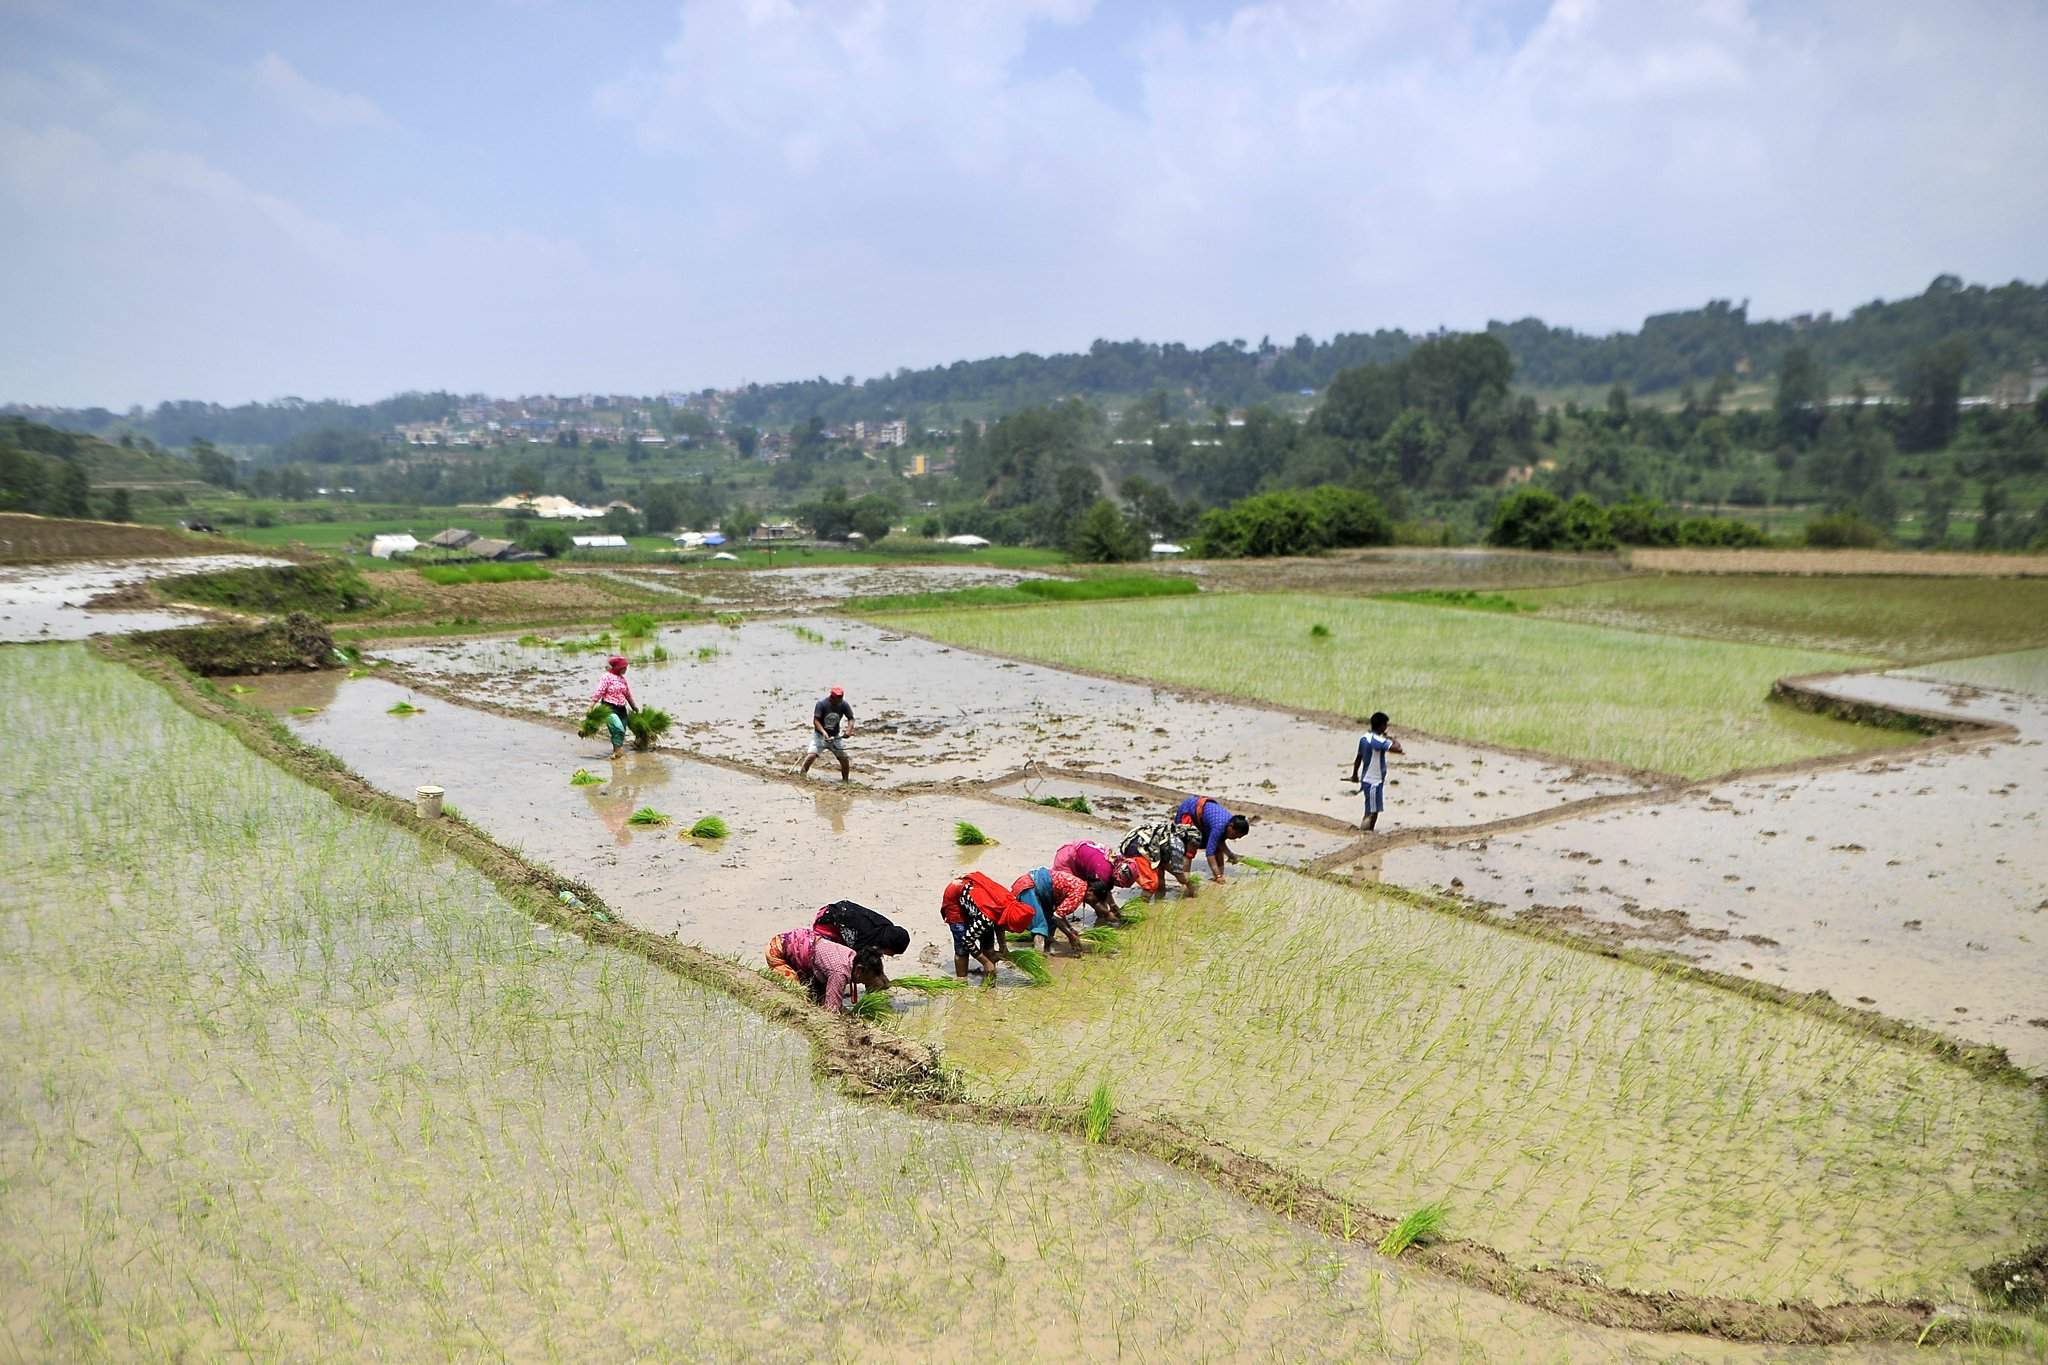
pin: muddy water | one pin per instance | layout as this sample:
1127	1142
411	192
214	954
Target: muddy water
791	847
820	583
47	601
929	713
1272	839
1915	886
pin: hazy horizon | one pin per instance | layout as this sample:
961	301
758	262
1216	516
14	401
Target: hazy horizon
237	202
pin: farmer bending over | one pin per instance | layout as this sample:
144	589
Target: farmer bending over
615	692
1054	898
978	909
825	719
831	971
1091	862
1217	825
1158	850
859	928
1369	768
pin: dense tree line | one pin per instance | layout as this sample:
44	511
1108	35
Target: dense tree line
45	471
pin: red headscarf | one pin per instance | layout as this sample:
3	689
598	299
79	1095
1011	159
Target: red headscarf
617	663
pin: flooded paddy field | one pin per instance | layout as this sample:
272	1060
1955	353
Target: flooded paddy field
815	585
928	713
285	1083
1575	1111
2023	670
1661	703
52	601
1914	885
791	848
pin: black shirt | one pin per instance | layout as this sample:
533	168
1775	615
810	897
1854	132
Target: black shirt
828	711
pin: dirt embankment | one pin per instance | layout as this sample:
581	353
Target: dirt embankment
291	644
879	1064
1839	562
26	539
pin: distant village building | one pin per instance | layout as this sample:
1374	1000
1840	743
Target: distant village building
776	530
482	548
385	546
454	538
605	542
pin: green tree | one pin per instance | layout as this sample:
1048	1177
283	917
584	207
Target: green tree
1933	388
874	516
118	508
1802	400
1104	535
214	467
739	523
549	538
523	479
746	440
1937	504
72	495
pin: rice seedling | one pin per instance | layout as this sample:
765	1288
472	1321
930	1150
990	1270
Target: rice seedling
305	710
1420	1226
1095	1120
1319	631
634	625
355	673
1676	705
806	634
645	725
647	815
1077	804
731	620
927	985
239	689
1032	963
531	642
403	708
706	653
1103	936
708	827
967	835
583	777
660	654
447	575
873	1007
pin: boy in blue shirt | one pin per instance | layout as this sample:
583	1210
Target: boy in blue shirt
1369	768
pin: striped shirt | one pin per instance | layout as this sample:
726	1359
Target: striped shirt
1372	758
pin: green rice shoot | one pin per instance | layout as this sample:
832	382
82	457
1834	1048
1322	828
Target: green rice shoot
660	654
583	777
927	985
634	625
967	835
1078	804
1032	963
403	708
305	710
1095	1120
873	1007
1319	631
647	815
1423	1225
708	827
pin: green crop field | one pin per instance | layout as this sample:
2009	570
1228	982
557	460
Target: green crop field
1896	619
1669	704
286	1083
1572	1110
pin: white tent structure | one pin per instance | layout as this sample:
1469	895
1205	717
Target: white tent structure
723	555
971	542
689	540
1168	548
383	547
599	542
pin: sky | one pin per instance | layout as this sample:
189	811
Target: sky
247	200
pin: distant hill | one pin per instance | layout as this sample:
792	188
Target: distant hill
2004	327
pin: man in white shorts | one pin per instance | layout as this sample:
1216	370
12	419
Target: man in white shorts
1369	768
826	718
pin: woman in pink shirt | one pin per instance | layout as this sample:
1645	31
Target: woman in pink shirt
831	971
614	691
1093	863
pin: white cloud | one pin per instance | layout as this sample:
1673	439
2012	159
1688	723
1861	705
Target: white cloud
315	102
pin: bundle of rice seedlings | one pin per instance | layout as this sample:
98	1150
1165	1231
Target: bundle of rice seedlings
1319	631
1018	936
238	690
402	708
530	641
1031	962
648	725
593	721
706	653
647	815
1095	1121
708	827
358	673
661	654
967	836
731	620
583	777
928	985
634	625
305	710
1102	936
873	1006
1078	804
1128	916
1423	1225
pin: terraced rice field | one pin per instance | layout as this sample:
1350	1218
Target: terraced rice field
1667	704
1574	1111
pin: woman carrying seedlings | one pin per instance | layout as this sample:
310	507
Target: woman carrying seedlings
1092	863
858	927
1055	897
832	972
1217	825
614	691
1162	848
979	910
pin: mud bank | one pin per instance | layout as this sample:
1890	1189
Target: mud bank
50	601
791	848
1914	884
928	713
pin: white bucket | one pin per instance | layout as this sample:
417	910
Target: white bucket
426	802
